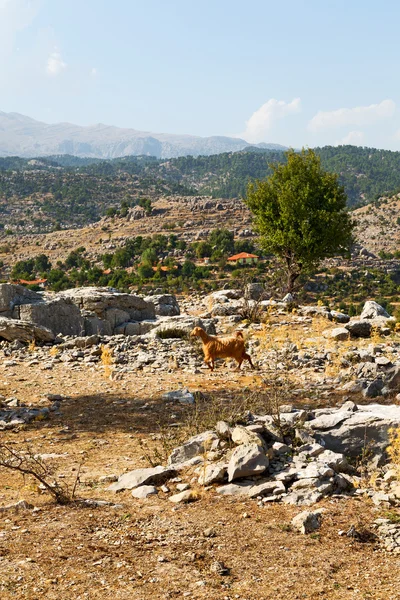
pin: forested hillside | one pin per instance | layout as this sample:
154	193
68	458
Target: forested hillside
69	191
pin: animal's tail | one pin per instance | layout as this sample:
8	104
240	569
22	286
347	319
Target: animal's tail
239	334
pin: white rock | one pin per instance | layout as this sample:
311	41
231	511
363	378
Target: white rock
144	491
137	477
247	460
212	474
306	521
185	496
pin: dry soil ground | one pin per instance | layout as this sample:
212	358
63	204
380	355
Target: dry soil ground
150	549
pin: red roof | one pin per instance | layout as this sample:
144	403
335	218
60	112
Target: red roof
33	282
242	255
163	268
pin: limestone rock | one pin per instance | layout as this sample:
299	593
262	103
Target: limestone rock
183	396
185	496
242	435
59	315
139	477
223	430
194	446
339	317
373	309
338	333
235	489
144	491
359	328
307	522
165	305
12	296
267	488
368	426
13	329
212	474
247	460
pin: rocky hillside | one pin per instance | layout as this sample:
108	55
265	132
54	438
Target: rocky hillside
65	191
378	226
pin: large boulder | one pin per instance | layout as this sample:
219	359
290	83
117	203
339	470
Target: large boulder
254	291
352	432
15	329
372	310
106	311
99	301
12	296
359	328
166	305
59	315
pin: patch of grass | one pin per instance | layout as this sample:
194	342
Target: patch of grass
394	517
172	333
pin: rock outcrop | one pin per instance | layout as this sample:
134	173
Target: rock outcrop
79	311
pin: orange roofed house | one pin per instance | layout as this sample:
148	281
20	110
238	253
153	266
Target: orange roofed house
244	258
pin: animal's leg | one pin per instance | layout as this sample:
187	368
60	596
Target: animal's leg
212	364
247	357
239	362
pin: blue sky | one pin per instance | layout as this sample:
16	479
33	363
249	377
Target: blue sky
300	72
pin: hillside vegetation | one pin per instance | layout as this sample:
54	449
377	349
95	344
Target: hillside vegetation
67	191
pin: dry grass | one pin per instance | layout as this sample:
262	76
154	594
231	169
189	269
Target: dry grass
393	449
107	361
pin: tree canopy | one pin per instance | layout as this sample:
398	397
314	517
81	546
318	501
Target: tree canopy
300	213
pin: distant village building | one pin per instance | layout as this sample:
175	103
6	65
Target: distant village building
244	258
42	283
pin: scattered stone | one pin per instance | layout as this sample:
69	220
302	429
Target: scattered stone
138	477
182	396
307	522
21	505
144	491
185	496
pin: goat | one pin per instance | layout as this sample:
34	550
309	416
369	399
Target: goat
225	347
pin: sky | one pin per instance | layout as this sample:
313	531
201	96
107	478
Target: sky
298	73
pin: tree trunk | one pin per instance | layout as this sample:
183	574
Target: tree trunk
291	280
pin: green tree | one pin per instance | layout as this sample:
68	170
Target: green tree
42	263
146	204
300	214
23	269
145	272
221	240
203	249
149	257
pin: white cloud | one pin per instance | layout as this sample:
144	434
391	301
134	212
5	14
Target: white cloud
93	72
359	116
55	64
261	121
353	138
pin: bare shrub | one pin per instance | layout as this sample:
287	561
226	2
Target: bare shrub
28	463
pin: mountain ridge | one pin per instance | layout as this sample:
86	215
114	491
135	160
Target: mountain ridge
24	136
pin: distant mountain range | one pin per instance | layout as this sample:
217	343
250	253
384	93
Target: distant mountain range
23	136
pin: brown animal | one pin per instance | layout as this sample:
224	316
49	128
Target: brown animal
225	347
